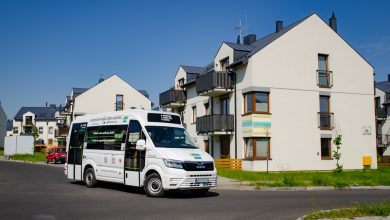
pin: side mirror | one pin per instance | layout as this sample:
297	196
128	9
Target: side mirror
140	145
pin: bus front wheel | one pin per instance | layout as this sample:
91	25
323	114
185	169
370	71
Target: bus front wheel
89	178
153	186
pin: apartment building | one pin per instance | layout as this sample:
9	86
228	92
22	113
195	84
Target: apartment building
382	113
279	101
42	118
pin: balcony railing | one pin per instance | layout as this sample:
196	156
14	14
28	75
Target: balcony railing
63	131
28	123
325	120
324	78
380	113
214	84
173	98
214	124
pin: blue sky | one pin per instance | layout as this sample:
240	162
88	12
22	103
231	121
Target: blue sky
48	47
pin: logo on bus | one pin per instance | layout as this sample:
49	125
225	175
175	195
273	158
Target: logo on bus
125	118
196	156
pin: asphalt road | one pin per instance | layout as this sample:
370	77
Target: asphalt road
31	191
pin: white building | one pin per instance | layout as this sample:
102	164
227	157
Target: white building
3	126
382	112
283	97
42	118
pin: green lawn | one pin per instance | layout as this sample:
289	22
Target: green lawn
1	152
377	209
379	177
38	157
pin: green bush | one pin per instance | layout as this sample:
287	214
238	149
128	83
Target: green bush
288	180
340	184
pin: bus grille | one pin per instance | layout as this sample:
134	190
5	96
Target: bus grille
198	165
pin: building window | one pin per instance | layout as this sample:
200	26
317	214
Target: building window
29	120
181	82
119	103
257	148
325	116
50	130
326	148
16	130
206	108
225	64
256	102
40	130
224	105
194	114
323	62
324	75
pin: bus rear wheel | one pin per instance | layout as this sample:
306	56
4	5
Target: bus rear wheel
153	186
89	178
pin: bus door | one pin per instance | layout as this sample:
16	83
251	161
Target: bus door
75	151
134	159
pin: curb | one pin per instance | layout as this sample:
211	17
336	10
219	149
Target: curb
2	158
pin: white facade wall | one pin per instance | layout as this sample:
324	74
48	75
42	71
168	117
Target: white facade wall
286	69
102	97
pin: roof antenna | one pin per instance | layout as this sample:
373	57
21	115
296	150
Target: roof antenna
240	28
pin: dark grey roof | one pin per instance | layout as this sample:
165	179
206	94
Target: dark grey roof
240	47
193	69
9	125
78	91
41	113
144	92
383	86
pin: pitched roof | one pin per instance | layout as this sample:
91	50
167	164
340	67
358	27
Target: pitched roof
193	69
41	113
144	92
78	91
383	86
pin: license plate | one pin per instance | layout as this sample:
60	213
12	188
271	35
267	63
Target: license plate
62	155
201	180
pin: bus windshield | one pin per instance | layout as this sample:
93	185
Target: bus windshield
170	137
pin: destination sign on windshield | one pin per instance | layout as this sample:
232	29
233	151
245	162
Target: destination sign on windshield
164	118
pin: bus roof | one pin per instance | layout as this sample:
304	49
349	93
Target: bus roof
122	117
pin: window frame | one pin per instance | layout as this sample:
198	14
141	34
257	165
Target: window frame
326	61
117	103
50	130
330	149
194	114
254	157
40	130
254	110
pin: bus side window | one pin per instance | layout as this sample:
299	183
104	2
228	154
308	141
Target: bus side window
135	133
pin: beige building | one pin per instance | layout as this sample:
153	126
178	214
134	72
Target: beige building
382	113
279	101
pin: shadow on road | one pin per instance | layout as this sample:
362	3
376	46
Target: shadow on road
174	194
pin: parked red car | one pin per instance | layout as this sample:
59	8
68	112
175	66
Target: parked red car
56	155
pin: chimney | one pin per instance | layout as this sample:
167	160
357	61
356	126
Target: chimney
333	22
249	39
279	26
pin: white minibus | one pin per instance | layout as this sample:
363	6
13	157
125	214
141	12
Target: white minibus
148	149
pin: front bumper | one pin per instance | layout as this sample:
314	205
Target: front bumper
190	180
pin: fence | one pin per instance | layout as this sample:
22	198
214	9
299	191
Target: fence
232	164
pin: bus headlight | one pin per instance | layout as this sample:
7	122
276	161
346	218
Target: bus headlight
173	163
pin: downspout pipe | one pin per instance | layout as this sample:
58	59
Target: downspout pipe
234	78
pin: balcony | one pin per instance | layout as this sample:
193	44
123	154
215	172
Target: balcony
215	124
28	123
214	84
63	131
380	114
324	78
382	140
325	120
173	98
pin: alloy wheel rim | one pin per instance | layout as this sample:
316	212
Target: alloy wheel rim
89	178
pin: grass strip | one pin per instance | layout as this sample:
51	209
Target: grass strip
376	209
37	157
378	177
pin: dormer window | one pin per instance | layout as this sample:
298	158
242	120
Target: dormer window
181	82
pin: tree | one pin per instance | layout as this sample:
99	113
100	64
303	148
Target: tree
35	133
337	154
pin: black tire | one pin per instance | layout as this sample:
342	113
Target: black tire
153	186
200	192
54	160
89	178
47	161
